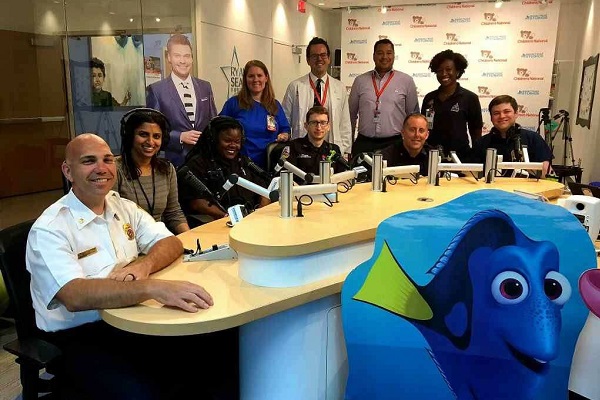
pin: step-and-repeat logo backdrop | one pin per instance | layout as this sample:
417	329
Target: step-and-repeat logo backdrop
510	49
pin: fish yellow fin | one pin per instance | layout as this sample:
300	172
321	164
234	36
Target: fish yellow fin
388	287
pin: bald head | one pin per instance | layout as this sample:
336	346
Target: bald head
75	146
90	167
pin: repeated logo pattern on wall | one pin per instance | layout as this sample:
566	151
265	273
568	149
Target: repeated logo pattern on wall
510	50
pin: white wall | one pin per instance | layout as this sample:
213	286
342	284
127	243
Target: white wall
258	29
585	141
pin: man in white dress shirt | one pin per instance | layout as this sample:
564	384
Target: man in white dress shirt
318	88
82	254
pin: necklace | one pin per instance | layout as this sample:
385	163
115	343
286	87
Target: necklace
150	206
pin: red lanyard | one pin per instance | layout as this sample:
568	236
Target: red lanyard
317	94
379	92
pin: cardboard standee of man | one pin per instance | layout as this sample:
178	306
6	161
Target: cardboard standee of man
187	102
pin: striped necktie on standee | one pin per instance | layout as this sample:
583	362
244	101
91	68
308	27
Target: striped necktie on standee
188	102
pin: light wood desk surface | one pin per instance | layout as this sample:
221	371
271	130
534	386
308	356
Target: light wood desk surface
354	219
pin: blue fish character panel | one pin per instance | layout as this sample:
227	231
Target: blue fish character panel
469	300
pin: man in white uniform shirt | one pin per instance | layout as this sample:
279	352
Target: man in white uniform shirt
380	100
82	253
318	88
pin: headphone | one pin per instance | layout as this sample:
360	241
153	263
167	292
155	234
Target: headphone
218	124
160	118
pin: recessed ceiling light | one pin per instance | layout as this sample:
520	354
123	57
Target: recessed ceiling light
321	4
157	19
130	19
111	12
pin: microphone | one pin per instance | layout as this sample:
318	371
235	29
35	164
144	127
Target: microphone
295	170
285	153
235	179
334	156
185	175
257	170
517	153
366	158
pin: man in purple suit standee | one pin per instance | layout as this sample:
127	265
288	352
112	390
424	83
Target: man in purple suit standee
188	102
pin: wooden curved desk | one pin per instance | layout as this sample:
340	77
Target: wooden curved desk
280	326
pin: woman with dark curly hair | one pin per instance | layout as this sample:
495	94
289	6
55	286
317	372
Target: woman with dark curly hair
142	176
451	109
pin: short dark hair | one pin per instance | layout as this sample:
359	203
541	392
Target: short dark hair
97	63
380	42
320	110
315	41
179	39
413	115
460	62
502	100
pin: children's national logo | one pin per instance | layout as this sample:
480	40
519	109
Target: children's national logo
354	25
487	56
529	37
418	21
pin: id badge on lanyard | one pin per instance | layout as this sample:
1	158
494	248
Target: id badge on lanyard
378	93
271	125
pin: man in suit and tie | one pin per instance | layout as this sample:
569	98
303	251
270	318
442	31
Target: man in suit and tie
188	102
318	88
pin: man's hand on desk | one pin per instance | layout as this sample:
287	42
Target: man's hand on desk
181	294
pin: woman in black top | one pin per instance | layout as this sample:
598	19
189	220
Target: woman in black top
450	109
212	160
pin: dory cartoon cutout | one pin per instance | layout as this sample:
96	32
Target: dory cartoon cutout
494	269
482	310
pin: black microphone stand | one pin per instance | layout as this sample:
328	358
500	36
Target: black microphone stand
545	121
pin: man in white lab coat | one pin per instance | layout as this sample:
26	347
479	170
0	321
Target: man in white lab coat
318	88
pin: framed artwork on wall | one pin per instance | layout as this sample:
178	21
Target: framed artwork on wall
586	91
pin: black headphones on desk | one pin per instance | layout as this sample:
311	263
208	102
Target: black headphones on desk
142	115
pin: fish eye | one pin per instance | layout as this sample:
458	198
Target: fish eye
509	287
557	287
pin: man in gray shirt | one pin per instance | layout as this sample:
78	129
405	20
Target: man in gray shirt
380	99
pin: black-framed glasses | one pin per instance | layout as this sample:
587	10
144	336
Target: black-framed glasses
322	124
315	57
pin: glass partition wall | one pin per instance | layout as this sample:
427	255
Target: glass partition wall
72	67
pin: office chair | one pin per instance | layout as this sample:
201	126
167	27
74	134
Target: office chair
274	151
33	353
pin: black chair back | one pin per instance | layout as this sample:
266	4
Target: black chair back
274	151
13	241
32	351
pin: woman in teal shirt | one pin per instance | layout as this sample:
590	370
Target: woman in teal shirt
259	113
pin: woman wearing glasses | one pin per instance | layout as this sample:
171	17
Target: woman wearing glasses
259	113
307	152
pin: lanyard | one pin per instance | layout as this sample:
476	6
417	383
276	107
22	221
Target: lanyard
379	92
317	94
150	206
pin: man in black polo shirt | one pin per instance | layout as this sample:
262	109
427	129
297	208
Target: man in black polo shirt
411	150
509	138
307	152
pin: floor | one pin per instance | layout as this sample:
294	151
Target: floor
12	211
